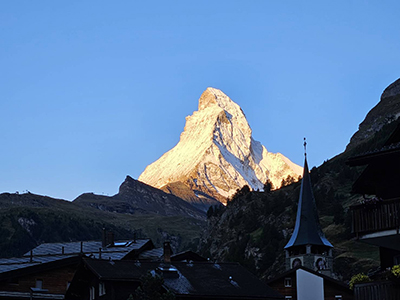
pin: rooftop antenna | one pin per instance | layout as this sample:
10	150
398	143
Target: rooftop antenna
305	147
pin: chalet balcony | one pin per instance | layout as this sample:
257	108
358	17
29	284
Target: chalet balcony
378	222
377	290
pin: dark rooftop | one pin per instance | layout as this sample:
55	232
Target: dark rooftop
52	252
191	278
116	251
152	254
10	264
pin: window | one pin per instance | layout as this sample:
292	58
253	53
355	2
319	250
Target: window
92	293
68	284
338	297
39	284
288	282
288	297
102	289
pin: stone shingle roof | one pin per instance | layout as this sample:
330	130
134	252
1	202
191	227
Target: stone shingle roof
152	254
10	264
120	248
52	252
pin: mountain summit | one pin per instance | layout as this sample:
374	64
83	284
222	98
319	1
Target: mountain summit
216	154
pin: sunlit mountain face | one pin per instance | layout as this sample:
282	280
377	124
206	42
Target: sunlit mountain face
216	155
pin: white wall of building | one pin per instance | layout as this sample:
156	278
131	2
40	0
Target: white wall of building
309	286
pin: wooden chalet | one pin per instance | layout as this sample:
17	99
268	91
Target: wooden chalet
304	283
46	271
376	220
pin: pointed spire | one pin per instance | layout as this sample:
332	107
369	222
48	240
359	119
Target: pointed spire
307	230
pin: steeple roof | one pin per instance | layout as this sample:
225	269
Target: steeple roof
307	230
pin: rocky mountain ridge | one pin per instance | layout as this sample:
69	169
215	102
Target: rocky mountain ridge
216	154
135	197
386	111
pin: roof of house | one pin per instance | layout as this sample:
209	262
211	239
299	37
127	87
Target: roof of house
152	254
189	278
14	267
27	295
307	230
47	253
188	256
116	251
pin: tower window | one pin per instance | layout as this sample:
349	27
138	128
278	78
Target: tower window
296	263
288	282
321	264
338	297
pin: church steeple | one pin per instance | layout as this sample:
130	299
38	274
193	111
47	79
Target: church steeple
308	245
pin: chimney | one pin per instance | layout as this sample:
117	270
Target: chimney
134	236
99	253
110	238
167	252
104	238
62	250
81	247
31	256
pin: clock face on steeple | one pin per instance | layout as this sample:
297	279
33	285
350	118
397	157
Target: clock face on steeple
321	264
296	263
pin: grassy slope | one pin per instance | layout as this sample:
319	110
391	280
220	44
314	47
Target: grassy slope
27	220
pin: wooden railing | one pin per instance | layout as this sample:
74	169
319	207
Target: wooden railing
378	290
383	215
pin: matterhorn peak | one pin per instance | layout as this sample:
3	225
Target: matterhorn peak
212	96
216	154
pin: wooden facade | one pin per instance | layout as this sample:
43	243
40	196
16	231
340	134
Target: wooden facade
377	220
55	281
46	271
379	216
383	290
285	285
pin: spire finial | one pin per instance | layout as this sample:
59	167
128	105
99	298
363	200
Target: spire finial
305	147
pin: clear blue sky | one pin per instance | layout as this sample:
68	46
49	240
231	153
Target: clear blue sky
91	91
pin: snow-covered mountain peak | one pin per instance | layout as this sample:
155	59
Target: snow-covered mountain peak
212	96
216	153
